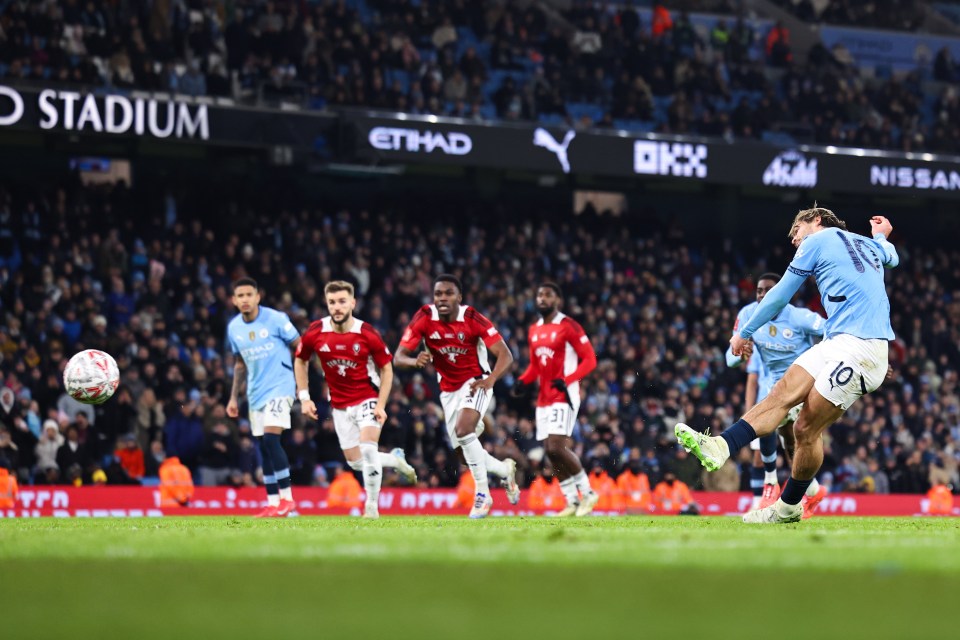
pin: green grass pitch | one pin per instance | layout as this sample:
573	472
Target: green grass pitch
500	578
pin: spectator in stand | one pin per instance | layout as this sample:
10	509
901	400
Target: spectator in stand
130	457
218	458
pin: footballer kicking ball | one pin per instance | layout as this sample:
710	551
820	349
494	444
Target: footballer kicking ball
91	376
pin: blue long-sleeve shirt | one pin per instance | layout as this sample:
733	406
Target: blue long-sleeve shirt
849	272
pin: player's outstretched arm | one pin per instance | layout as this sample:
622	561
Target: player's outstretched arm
775	300
880	229
239	386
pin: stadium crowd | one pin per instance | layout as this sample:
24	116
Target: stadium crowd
79	270
591	65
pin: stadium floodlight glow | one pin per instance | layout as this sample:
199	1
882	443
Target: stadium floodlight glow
831	149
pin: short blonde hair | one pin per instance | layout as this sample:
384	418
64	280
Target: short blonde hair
827	218
336	286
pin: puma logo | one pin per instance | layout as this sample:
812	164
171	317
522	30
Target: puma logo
542	138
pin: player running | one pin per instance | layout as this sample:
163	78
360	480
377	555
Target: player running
560	357
778	343
262	339
833	374
358	369
457	338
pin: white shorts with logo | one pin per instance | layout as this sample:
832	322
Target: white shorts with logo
276	413
791	417
349	421
845	367
557	419
454	402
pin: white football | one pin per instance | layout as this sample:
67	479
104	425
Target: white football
91	376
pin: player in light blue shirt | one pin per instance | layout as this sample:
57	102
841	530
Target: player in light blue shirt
829	377
262	340
776	346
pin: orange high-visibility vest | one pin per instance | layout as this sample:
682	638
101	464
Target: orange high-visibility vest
635	490
345	491
606	488
672	499
176	483
545	495
941	500
9	490
466	490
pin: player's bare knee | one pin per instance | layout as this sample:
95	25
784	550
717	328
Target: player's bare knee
804	432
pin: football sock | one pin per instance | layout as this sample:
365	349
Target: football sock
372	471
738	435
583	483
496	467
475	456
281	466
768	453
269	478
569	489
793	492
356	465
283	484
770	477
387	460
813	488
756	480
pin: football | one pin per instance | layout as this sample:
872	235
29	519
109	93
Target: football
91	376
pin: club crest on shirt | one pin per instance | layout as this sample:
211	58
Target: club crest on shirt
264	333
773	331
788	333
460	336
356	347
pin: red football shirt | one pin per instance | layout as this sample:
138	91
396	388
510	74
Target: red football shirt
559	349
459	347
351	361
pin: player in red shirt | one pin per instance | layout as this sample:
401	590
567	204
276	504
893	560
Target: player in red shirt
457	338
358	369
560	357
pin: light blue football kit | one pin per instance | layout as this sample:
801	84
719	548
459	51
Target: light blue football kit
848	268
778	343
264	345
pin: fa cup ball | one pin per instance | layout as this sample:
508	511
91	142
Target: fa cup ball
91	376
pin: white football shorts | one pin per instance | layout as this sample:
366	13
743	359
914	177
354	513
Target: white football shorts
557	419
349	421
846	367
276	413
454	402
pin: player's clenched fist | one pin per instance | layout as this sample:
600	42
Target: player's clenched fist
879	224
424	359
